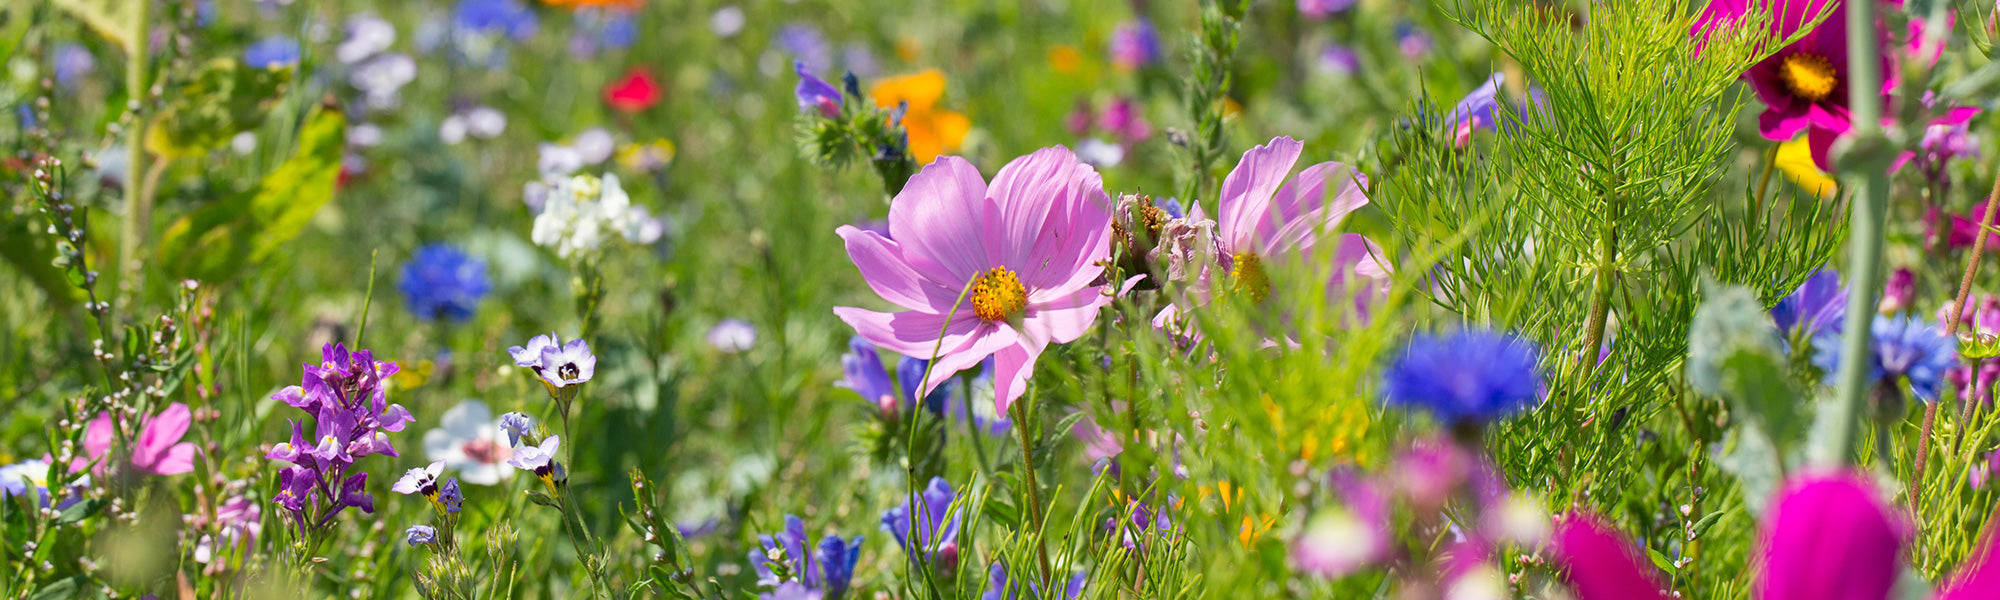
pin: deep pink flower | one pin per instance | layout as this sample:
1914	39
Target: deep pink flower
1803	85
158	450
1602	564
1830	538
1268	221
1024	251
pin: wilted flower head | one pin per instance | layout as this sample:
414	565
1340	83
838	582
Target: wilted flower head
1466	376
1031	267
450	496
1900	348
516	425
443	282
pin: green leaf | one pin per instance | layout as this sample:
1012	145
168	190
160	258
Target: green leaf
1757	384
60	589
29	253
79	511
1702	526
223	99
216	242
109	18
1660	560
1729	318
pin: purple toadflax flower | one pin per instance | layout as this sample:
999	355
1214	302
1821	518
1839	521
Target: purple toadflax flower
1025	250
351	419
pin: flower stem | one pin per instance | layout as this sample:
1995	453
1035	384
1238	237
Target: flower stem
1965	294
1835	442
138	205
1923	452
1021	424
1600	296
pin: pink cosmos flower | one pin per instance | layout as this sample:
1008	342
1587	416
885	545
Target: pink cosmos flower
1269	221
1024	251
158	450
1803	85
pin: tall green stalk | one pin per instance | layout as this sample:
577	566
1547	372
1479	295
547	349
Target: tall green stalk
138	203
1867	161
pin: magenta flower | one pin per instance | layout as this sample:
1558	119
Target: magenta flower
1024	250
1268	221
1803	85
1602	564
158	450
1806	556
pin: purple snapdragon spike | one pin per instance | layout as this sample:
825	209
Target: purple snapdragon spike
935	527
351	419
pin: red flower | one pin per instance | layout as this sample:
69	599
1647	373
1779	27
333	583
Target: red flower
636	92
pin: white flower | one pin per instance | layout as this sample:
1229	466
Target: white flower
595	145
732	336
558	160
1099	153
366	36
452	130
485	123
381	77
470	440
580	212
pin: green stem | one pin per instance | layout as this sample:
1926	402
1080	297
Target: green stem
1600	296
1835	442
1034	492
1964	294
138	205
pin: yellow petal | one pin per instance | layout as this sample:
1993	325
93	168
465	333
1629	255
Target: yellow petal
1795	160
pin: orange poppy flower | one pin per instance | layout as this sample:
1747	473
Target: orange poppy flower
933	131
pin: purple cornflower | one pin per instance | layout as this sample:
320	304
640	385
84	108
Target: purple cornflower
1900	348
1467	376
1817	306
1135	44
443	282
827	571
351	419
272	52
935	528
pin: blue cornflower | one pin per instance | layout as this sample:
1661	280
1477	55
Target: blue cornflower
996	588
1818	305
272	52
936	528
1466	376
443	282
509	17
420	534
1901	347
829	571
620	30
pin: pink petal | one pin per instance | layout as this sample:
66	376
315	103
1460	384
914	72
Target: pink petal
1326	192
176	460
1829	538
1063	319
1978	577
987	339
1023	194
881	263
1013	366
1247	191
1956	116
97	437
910	332
160	433
1359	274
1602	564
1782	125
937	220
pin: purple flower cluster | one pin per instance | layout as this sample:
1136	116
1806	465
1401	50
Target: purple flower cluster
826	573
351	419
934	533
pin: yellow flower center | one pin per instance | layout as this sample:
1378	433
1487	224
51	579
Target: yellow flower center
1247	277
1808	75
997	294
